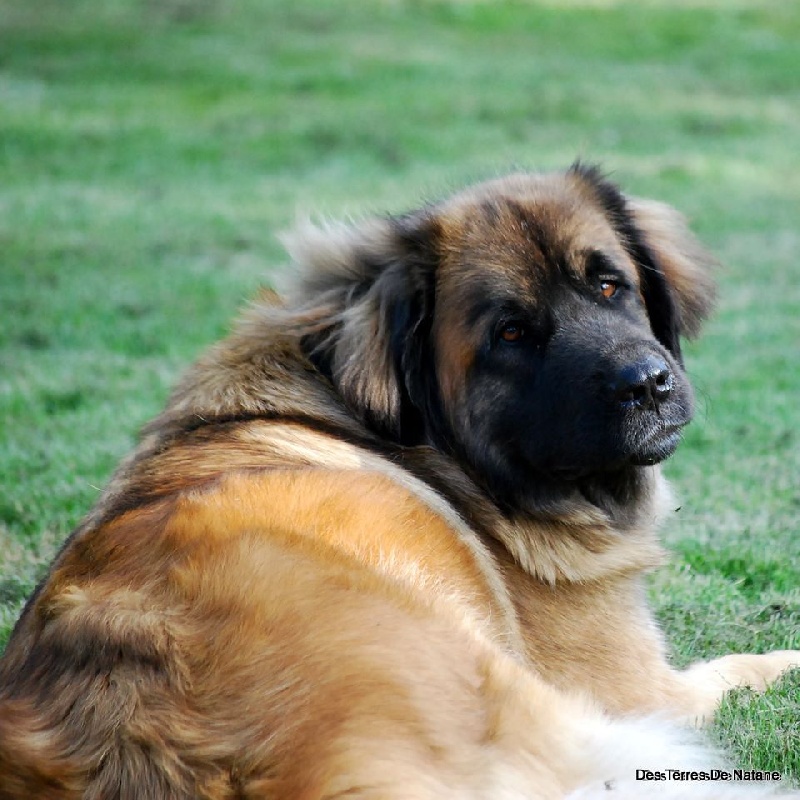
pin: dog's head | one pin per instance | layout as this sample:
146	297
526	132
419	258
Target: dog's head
530	326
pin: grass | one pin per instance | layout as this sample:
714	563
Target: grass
149	151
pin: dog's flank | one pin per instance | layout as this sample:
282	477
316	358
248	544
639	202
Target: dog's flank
388	539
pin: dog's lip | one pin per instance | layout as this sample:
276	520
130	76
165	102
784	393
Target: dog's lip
652	446
660	443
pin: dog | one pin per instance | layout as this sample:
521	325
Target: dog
389	539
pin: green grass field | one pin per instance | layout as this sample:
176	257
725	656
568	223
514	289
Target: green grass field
150	149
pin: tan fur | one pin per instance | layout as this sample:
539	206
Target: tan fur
271	600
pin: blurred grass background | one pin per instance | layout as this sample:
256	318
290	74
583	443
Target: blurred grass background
150	149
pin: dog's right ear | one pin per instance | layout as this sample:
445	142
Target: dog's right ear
676	271
364	304
687	268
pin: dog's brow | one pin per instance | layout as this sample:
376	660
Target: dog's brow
477	310
597	262
488	304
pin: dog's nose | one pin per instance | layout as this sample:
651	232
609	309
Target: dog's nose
644	384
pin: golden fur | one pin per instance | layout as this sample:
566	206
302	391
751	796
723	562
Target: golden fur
275	598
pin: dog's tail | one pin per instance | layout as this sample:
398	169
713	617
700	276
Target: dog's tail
87	707
34	761
79	744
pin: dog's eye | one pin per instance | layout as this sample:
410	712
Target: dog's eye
511	332
608	288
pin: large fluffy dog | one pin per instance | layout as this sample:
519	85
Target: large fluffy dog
388	539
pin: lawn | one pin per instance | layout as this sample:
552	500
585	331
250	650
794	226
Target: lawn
151	149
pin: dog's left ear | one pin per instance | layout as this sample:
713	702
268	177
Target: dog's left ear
677	272
362	309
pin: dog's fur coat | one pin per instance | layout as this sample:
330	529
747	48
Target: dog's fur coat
388	539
